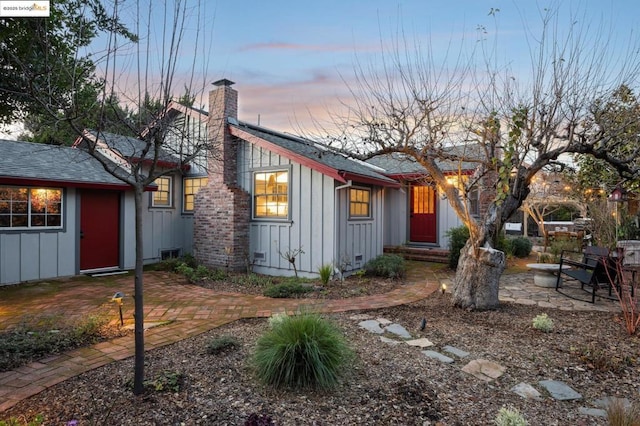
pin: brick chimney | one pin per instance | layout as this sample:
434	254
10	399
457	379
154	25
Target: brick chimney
222	208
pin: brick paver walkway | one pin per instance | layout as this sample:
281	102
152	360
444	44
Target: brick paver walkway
191	309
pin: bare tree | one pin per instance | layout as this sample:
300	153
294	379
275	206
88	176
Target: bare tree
509	125
549	194
145	75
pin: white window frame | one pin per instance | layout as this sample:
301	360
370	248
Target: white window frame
369	203
169	193
255	196
30	213
192	194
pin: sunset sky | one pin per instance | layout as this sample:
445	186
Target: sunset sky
293	59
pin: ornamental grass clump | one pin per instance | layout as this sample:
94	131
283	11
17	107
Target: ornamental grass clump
304	351
510	417
543	323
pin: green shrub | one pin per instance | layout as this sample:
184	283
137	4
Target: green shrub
254	280
510	417
521	247
200	273
301	351
221	344
325	272
457	239
286	290
387	266
543	323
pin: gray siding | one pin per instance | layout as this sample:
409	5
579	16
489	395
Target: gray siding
311	227
359	240
33	255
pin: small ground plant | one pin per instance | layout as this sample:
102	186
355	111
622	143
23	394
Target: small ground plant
325	272
287	289
387	266
543	323
457	239
221	343
41	336
304	351
167	381
510	417
37	421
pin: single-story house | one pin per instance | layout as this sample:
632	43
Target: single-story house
255	200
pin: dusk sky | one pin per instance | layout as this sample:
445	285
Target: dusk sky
292	58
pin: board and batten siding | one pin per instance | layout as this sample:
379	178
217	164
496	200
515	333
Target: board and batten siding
311	224
359	240
317	225
34	255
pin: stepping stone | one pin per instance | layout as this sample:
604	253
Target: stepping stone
421	343
438	356
526	391
359	317
484	369
398	330
559	390
594	412
389	341
607	400
372	326
383	321
455	351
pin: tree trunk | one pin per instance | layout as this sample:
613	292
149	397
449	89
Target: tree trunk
475	285
138	376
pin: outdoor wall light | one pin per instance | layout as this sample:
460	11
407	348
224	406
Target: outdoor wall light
443	288
117	298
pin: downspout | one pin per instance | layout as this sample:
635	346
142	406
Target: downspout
336	221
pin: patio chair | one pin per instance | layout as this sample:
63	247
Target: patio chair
595	271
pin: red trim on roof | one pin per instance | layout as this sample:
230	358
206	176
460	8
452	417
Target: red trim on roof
368	179
48	183
322	168
64	184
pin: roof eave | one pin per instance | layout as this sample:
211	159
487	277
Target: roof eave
305	161
369	180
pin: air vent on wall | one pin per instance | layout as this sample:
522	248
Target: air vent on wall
358	258
259	256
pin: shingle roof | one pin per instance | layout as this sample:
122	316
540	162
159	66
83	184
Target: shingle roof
397	163
315	152
130	147
34	161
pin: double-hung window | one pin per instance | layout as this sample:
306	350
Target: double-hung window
191	188
359	203
271	194
37	208
163	196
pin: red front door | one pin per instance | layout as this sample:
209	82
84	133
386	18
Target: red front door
422	212
99	229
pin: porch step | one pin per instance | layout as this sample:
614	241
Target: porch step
424	254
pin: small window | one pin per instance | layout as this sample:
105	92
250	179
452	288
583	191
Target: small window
162	197
30	207
474	201
271	194
191	188
359	203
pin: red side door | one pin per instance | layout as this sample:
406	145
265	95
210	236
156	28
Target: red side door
422	215
99	229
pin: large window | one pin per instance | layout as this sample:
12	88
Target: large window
191	188
163	196
271	194
359	203
30	207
